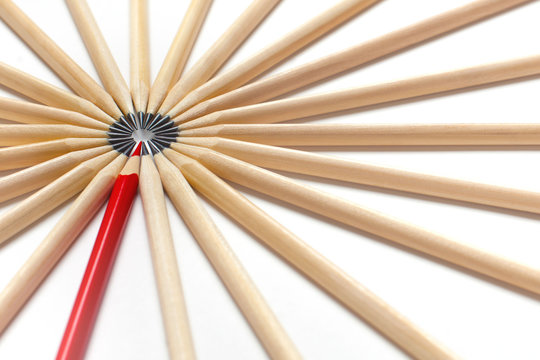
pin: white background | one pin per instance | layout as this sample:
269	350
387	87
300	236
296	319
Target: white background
476	317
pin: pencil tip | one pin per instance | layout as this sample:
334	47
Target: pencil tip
137	151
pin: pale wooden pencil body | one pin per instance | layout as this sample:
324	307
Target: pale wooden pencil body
331	278
67	69
51	196
48	94
99	51
236	279
368	174
299	107
40	175
178	53
51	249
219	52
139	58
169	286
274	53
375	134
361	54
11	135
364	219
28	155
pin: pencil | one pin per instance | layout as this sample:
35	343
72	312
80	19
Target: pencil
246	295
178	53
352	294
299	107
330	167
212	60
51	249
16	134
96	276
169	286
362	54
367	220
274	53
139	58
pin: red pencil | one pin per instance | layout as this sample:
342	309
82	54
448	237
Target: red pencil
98	270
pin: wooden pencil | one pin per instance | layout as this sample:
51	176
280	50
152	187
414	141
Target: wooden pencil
48	94
330	167
139	59
39	175
51	196
169	286
212	60
365	219
27	155
64	66
352	294
304	106
362	54
17	134
178	53
505	134
51	249
96	276
101	55
246	295
273	53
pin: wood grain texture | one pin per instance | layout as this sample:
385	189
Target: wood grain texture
15	134
139	59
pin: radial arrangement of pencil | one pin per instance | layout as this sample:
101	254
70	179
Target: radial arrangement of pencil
199	128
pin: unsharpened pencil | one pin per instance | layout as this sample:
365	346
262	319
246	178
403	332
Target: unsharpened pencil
212	60
327	275
139	59
17	134
51	249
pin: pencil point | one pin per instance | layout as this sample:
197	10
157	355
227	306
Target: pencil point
137	151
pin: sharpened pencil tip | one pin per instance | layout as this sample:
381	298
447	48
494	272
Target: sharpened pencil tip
137	151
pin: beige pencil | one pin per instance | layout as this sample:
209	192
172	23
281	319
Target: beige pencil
507	134
169	286
39	175
212	60
274	53
299	107
17	134
365	219
51	249
250	301
327	275
64	66
51	196
48	94
309	73
179	52
139	58
330	167
101	55
27	155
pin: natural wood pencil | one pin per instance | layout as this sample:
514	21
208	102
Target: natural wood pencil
339	284
27	155
51	196
365	219
39	175
51	249
139	58
309	73
376	134
212	60
299	107
178	53
171	297
16	134
330	167
48	94
246	295
64	66
101	55
274	53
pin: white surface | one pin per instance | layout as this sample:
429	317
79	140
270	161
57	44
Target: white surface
478	319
